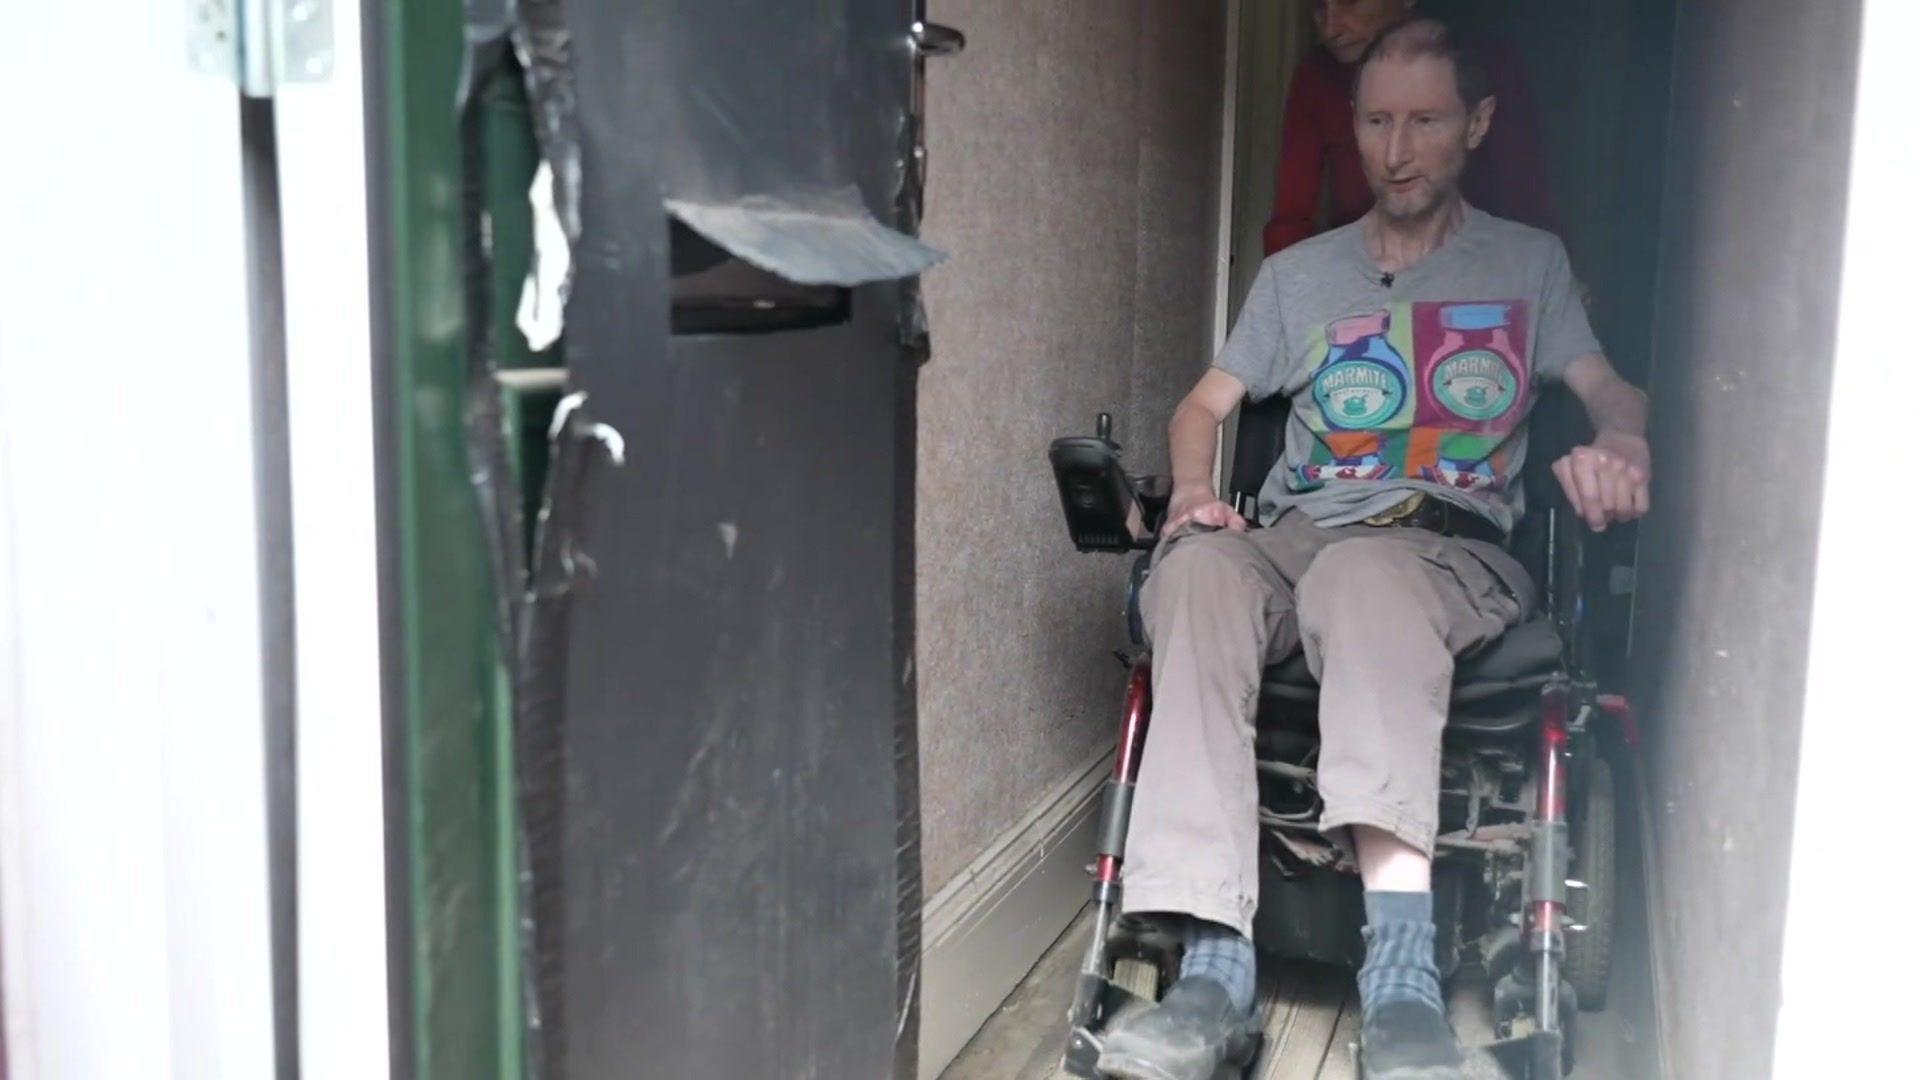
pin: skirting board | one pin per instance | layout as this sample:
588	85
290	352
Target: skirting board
985	929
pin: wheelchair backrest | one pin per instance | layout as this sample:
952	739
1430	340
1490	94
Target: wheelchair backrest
1257	443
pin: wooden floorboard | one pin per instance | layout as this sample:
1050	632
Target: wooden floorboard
1294	1049
1340	1063
1023	1039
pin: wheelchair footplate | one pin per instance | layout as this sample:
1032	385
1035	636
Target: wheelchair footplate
1110	1002
1084	1040
1507	1059
1536	1055
1529	1051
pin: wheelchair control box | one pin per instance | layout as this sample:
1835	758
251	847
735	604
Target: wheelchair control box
1107	510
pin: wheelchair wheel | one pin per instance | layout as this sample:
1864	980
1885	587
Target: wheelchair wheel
1590	954
1138	977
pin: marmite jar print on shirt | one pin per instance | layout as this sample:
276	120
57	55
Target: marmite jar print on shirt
1363	391
1422	390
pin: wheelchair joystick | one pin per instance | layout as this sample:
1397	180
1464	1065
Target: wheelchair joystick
1106	509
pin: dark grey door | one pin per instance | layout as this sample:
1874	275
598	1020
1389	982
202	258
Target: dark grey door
739	820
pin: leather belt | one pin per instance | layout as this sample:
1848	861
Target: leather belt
1417	511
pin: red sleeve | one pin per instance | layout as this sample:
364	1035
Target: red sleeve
1296	189
1516	181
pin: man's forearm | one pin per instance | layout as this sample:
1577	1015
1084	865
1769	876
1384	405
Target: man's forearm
1609	480
1619	408
1191	439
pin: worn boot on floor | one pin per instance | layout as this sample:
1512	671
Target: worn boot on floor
1409	1040
1194	1033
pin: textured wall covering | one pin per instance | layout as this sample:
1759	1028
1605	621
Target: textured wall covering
1757	165
1075	153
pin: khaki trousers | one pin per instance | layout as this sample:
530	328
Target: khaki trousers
1380	612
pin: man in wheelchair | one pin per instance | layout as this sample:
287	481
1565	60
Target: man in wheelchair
1410	346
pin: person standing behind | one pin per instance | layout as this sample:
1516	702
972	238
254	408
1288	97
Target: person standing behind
1320	163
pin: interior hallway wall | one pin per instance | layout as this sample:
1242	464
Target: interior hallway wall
1074	175
1757	163
1274	36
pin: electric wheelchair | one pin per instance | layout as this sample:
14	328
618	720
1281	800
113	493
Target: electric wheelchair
1523	872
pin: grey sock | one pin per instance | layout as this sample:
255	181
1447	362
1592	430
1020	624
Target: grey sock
1399	963
1224	955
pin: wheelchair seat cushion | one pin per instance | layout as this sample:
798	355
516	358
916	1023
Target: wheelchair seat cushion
1523	658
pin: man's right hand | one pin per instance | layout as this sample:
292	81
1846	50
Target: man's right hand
1198	504
1190	444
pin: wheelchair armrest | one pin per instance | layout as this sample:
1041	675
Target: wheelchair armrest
1557	425
1565	565
1155	492
1570	580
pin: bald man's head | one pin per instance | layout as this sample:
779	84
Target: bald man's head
1416	39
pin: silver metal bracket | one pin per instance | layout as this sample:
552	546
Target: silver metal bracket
933	39
927	39
261	45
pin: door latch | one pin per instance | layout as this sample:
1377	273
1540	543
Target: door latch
929	39
261	45
932	39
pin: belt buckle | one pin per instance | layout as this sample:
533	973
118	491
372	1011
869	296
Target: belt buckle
1399	511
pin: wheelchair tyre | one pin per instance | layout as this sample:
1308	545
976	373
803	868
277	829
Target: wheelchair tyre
1138	977
1589	954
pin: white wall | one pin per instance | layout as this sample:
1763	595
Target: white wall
1752	228
1844	960
133	843
134	838
339	740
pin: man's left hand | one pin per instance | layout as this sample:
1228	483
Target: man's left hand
1608	481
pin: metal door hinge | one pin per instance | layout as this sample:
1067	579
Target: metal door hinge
261	44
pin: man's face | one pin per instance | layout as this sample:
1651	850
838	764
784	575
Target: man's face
1347	27
1414	133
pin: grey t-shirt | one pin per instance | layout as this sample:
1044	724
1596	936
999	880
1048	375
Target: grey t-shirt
1423	385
